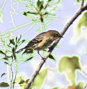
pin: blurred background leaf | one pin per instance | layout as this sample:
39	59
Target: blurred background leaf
81	23
79	27
4	84
80	85
79	1
39	80
21	81
69	65
55	88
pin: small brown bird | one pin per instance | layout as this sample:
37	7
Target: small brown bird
42	41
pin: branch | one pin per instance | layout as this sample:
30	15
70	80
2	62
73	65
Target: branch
12	77
82	3
53	46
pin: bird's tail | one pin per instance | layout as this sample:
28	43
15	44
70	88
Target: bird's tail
20	50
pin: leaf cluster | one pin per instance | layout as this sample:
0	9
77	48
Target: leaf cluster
10	53
69	65
41	9
21	81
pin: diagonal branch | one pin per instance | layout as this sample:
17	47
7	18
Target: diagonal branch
53	46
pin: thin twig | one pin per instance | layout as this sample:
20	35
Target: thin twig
82	3
16	71
3	5
12	77
53	46
8	76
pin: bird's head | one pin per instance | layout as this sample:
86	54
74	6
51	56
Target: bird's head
55	34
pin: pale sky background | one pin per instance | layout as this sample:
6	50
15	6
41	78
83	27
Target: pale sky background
67	9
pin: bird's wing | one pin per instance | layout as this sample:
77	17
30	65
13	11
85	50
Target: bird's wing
36	40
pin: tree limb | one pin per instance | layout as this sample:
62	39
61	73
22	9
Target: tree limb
53	46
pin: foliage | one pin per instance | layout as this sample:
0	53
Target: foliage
10	57
37	83
79	1
55	88
69	65
50	56
4	84
81	23
39	8
80	85
21	81
40	79
42	12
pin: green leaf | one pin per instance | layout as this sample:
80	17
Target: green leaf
40	4
55	88
19	80
23	41
38	30
38	82
69	65
19	38
3	74
5	58
58	46
13	51
4	84
19	0
51	57
27	80
79	1
6	63
45	50
28	59
81	23
28	51
80	85
22	81
12	41
1	52
49	0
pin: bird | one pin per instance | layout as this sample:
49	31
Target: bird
42	41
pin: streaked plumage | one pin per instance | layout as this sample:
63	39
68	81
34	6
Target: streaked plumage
42	41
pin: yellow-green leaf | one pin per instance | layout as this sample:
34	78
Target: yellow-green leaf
22	81
69	65
55	88
79	1
82	22
19	80
4	84
40	79
80	85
